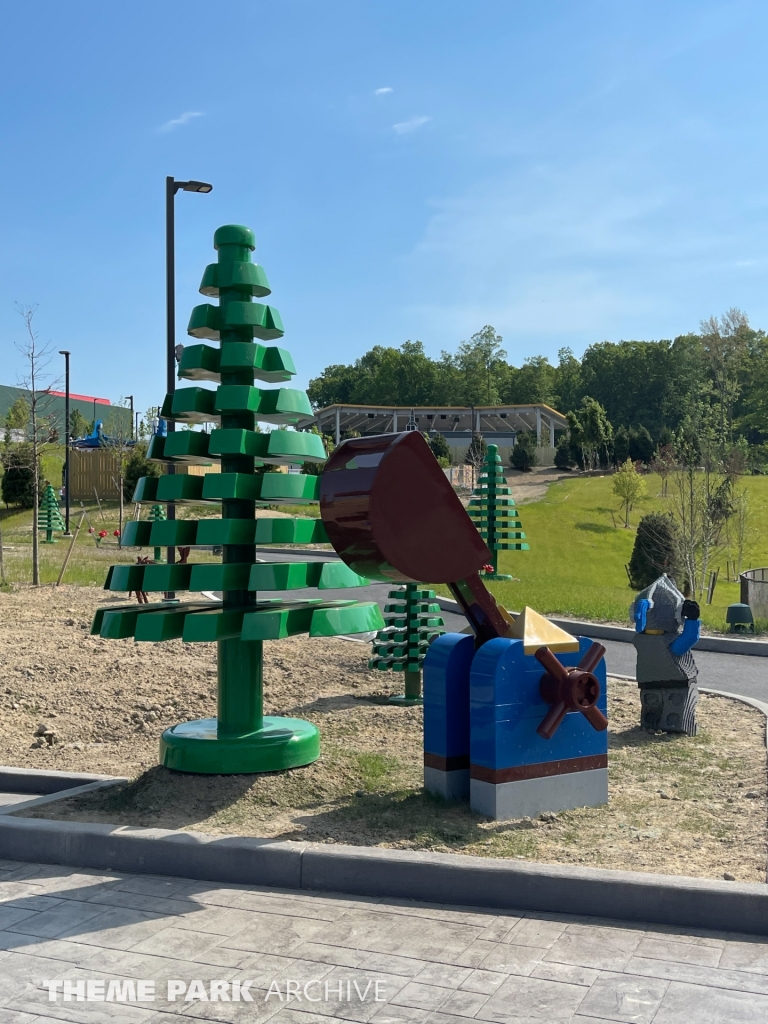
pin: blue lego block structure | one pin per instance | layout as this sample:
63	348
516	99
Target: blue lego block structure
481	713
446	715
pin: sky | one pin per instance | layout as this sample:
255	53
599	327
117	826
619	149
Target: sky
569	171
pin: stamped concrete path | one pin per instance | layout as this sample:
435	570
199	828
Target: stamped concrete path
75	946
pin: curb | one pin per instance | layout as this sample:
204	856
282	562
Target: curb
603	631
393	874
46	786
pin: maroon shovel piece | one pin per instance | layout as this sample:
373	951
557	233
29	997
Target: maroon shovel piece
392	515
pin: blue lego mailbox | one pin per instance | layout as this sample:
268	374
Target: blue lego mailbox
518	726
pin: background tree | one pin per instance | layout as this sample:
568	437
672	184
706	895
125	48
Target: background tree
702	500
656	551
316	468
628	485
663	462
119	430
17	418
136	467
620	446
563	457
590	431
37	357
568	383
641	446
78	424
523	455
439	448
481	362
17	483
476	453
725	343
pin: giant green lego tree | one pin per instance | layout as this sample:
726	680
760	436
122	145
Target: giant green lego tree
412	623
49	518
240	738
493	511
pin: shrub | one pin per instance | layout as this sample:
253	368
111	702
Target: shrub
523	455
137	466
641	446
439	447
656	551
18	482
563	455
620	446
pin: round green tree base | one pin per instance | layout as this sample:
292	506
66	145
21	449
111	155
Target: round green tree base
404	701
49	542
281	743
497	576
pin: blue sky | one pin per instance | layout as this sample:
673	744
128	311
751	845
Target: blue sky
569	172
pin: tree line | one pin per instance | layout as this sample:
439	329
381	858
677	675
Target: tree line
717	377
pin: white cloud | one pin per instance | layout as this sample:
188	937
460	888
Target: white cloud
384	91
185	118
409	126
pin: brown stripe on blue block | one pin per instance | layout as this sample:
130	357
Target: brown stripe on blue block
496	776
446	764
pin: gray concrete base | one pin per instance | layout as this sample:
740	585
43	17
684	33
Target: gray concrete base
529	797
452	785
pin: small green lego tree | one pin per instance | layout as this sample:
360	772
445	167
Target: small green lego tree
241	738
411	624
493	511
157	515
50	518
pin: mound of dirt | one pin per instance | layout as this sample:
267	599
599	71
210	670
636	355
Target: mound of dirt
75	702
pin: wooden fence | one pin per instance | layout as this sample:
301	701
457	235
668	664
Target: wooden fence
99	468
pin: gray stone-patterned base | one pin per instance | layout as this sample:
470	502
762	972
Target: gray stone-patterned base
529	797
670	708
453	785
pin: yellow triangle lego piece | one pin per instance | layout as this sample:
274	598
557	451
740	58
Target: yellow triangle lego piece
535	631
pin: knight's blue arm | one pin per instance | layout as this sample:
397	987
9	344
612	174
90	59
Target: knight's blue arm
640	614
688	638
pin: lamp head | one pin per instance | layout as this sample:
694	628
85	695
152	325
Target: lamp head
194	186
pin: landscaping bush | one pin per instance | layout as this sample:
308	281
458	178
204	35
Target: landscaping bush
563	454
137	466
523	455
641	446
439	448
656	551
18	482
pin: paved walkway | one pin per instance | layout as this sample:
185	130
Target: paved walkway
79	932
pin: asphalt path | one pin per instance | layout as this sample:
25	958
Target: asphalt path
735	673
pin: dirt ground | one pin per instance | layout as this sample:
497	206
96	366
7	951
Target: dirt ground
678	805
533	486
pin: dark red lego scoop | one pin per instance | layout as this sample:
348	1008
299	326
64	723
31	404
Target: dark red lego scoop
392	515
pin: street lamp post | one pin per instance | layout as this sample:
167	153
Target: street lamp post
66	354
171	188
129	398
136	425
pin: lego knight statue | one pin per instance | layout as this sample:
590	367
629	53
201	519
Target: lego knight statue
666	671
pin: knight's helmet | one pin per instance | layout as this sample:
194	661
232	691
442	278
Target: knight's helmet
665	605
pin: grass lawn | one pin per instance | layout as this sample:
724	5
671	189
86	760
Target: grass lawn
576	563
